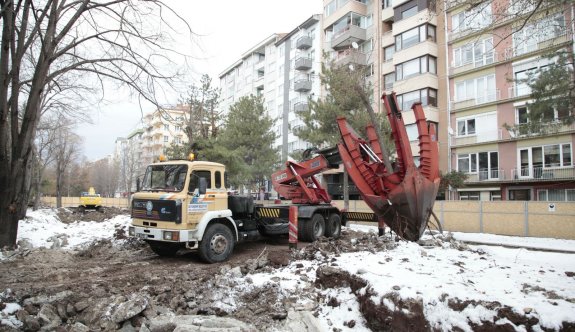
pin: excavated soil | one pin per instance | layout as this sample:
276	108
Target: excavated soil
78	286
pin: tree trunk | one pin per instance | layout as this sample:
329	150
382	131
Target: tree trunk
58	189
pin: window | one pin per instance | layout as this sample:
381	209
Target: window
495	195
388	53
426	96
469	195
519	194
412	132
178	128
481	89
415	67
166	139
195	182
388	80
475	19
466	127
479	53
218	179
414	36
467	163
409	12
556	195
166	127
527	39
534	160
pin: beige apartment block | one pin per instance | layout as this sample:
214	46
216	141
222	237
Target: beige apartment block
489	48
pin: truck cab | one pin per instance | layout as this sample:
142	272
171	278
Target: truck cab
184	205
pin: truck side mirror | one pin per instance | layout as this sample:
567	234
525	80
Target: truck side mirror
137	184
203	186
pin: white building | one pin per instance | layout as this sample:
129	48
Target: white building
284	68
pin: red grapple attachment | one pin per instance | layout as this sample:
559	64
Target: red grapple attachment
403	197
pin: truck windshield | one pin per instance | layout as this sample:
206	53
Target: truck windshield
165	178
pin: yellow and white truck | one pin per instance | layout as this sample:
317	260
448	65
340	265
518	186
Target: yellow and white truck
185	205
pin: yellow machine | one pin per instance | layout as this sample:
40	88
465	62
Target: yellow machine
90	200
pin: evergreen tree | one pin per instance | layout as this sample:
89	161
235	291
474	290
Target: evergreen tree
552	89
246	143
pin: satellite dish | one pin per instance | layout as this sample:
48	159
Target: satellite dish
450	131
354	45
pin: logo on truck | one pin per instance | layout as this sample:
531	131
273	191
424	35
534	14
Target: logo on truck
149	207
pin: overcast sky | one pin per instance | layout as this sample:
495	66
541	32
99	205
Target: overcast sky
227	28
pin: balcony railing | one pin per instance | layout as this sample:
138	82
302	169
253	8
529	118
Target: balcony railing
487	97
302	85
542	173
487	175
300	106
336	189
516	91
347	36
485	61
539	128
303	64
303	43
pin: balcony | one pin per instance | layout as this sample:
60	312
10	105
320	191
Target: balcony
488	97
346	57
303	64
336	189
347	36
486	60
532	129
302	85
303	43
301	106
542	174
486	175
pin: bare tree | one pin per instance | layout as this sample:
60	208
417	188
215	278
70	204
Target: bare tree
66	150
47	42
129	166
104	176
45	153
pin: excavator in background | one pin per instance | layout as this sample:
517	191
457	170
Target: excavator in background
90	200
185	205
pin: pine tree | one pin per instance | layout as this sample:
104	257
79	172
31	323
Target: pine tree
247	143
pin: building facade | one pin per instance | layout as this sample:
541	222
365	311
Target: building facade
284	69
490	49
161	128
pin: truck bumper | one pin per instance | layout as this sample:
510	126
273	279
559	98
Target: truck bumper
165	235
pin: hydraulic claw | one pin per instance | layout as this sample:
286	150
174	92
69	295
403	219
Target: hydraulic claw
402	198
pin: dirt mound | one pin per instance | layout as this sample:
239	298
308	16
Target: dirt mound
70	215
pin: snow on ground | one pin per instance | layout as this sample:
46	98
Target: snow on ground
536	282
40	226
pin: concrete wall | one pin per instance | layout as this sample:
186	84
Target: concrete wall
75	201
537	219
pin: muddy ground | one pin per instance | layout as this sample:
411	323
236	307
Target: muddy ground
83	290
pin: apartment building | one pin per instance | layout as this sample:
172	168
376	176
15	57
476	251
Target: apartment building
299	65
284	69
161	128
398	41
489	48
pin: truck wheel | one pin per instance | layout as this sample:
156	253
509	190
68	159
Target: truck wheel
333	226
314	228
217	244
81	209
164	249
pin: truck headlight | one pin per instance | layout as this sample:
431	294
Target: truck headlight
171	236
131	231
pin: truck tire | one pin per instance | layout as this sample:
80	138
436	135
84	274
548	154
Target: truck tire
217	244
333	226
314	228
164	249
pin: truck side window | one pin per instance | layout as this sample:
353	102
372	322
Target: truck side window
195	182
218	179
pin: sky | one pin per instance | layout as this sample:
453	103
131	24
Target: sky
226	30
